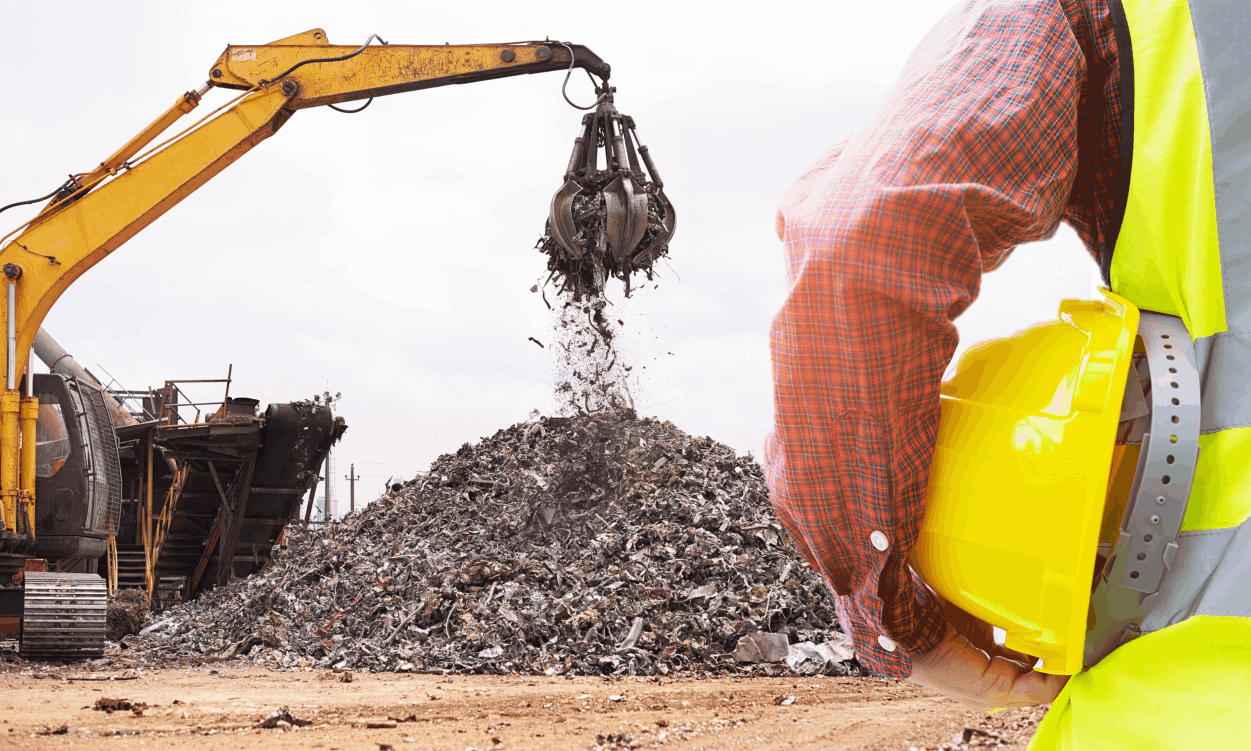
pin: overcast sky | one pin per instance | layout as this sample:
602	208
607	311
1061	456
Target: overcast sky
388	255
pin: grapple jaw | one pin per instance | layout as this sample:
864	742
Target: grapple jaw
616	218
668	219
626	201
560	221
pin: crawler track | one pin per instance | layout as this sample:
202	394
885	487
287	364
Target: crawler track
64	616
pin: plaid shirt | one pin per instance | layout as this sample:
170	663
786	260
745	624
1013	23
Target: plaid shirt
1005	122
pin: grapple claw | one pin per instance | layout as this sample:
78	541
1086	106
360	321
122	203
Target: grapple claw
669	222
627	216
612	221
560	220
669	218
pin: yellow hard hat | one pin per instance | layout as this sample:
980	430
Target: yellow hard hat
1020	473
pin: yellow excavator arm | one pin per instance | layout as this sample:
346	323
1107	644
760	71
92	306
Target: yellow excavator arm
95	212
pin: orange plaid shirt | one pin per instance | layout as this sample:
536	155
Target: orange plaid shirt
1005	122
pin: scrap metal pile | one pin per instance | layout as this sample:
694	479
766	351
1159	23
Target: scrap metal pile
607	222
595	544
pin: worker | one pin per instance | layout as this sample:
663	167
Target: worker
1010	118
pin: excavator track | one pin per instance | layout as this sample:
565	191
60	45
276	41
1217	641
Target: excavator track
64	616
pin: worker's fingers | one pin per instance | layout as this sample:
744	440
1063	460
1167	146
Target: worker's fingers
1014	684
961	671
1011	654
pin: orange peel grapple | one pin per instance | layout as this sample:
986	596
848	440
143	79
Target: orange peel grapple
638	219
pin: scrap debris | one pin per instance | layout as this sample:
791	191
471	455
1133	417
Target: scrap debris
127	611
110	706
592	374
588	545
282	717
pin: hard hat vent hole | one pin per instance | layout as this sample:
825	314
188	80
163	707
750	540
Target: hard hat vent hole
1174	385
1176	419
1176	401
1168	346
1170	459
1160	500
1133	574
1166	479
1172	370
1169	357
1172	439
1163	336
1148	537
1142	556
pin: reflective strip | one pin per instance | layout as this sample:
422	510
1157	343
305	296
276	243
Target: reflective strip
1221	29
1211	575
1167	257
1225	365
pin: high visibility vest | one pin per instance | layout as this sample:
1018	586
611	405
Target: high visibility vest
1178	673
1184	249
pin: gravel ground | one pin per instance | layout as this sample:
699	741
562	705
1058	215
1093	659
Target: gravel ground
219	709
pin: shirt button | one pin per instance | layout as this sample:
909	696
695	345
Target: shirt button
886	643
879	540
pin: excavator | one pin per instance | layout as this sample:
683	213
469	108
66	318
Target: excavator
59	464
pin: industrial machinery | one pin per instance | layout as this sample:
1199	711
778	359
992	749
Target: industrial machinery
201	499
76	507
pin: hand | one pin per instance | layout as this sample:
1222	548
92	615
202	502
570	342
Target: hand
969	667
961	671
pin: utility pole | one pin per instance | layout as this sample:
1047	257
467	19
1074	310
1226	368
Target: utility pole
352	477
327	508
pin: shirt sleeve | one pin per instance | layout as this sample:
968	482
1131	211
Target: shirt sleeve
886	238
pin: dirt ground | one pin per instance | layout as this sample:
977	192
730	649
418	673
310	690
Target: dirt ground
219	708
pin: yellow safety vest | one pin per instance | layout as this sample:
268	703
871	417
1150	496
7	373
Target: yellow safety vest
1172	669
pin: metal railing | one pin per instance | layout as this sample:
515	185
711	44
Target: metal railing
165	404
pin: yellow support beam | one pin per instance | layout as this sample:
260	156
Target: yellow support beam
29	417
10	402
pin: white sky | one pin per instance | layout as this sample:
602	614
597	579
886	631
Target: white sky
387	255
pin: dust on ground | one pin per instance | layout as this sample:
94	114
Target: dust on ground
220	708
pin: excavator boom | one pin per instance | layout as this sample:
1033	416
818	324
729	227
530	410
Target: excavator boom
335	74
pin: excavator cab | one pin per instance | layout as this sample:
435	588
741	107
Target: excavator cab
78	479
77	501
